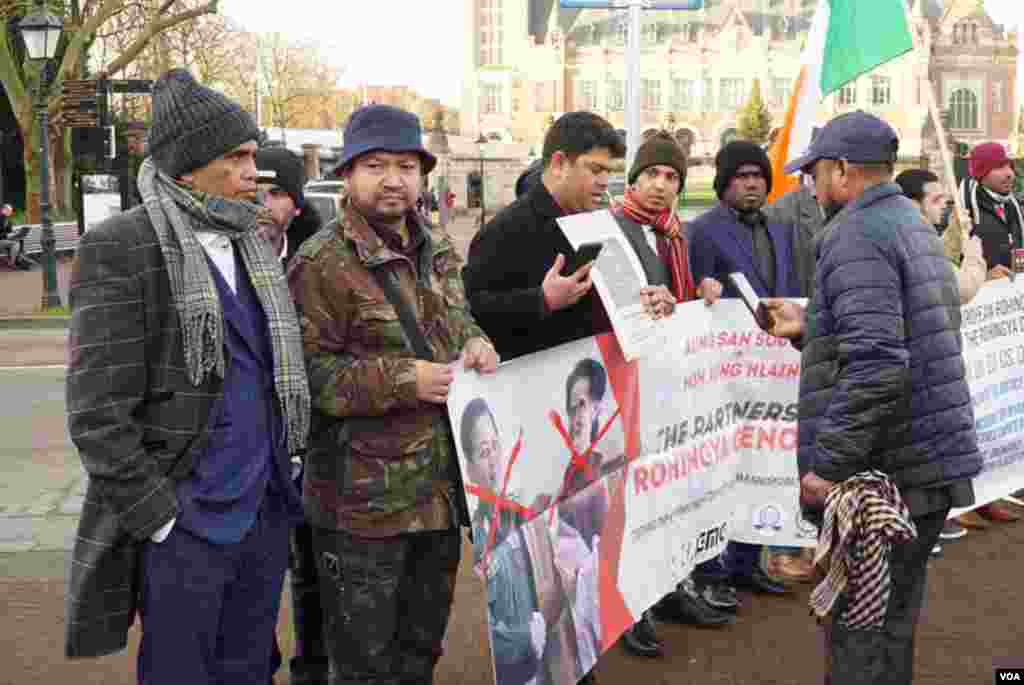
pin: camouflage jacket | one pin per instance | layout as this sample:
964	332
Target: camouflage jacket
381	461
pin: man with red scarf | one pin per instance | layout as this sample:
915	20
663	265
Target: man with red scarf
648	219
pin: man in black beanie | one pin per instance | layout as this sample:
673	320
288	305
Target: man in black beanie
281	176
187	397
734	237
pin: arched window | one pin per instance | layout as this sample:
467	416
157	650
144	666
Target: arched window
974	33
963	107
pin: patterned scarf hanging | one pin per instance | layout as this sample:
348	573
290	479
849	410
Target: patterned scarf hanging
864	517
176	214
672	245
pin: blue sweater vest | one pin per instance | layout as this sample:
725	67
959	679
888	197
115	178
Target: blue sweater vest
246	457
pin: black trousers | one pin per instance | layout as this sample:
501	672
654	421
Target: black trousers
886	656
386	604
309	665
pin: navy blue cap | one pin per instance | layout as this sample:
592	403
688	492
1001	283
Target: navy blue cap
385	128
857	137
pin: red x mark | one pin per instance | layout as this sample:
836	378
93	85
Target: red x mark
501	501
580	462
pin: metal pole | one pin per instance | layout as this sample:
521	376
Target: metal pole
51	297
633	82
483	193
259	82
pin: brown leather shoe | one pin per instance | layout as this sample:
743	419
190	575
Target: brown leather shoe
999	512
973	520
790	568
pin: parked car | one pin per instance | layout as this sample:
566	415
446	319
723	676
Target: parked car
326	196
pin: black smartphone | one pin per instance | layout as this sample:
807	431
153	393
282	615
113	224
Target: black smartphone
750	298
586	253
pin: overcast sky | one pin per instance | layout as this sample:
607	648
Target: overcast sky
418	43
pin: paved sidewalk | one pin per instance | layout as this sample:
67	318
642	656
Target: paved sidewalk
21	292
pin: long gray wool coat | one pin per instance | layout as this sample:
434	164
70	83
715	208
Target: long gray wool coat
138	424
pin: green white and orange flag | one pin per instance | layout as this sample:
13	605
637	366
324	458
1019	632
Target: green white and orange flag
848	38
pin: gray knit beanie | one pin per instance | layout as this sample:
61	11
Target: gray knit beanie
193	125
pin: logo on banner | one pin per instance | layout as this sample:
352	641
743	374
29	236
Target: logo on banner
804	528
768	519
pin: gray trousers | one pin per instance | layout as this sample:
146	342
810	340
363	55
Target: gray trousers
886	656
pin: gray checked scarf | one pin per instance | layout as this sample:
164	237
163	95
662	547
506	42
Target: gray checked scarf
175	214
864	517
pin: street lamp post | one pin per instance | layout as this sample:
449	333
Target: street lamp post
41	32
481	141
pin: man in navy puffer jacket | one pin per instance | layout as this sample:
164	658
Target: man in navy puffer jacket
882	384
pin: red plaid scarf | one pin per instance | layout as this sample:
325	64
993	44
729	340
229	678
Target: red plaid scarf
672	246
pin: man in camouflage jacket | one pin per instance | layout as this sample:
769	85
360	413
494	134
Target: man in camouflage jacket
382	487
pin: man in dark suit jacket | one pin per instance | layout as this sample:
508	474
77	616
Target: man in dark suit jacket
186	396
736	236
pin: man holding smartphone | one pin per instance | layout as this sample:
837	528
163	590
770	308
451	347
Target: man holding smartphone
518	287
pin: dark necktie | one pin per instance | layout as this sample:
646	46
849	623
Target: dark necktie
764	250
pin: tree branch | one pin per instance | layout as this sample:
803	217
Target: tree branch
11	78
76	46
154	28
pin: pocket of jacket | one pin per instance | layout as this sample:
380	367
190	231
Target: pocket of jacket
377	326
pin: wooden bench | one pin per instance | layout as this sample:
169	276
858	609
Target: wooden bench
66	235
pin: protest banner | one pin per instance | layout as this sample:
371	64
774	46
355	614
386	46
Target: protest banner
595	484
993	335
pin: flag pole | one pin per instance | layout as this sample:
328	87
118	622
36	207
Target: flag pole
940	131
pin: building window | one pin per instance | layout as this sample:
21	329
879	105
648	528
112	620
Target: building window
490	33
848	95
649	34
615	99
881	90
708	95
544	96
780	88
586	95
490	98
731	93
997	98
692	32
963	106
682	94
650	95
621	33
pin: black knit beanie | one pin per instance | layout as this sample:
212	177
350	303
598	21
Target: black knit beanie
659	149
734	155
193	125
283	168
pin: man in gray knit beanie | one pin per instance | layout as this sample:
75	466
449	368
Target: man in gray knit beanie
187	397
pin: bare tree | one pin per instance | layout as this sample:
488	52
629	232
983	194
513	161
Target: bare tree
299	84
137	23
